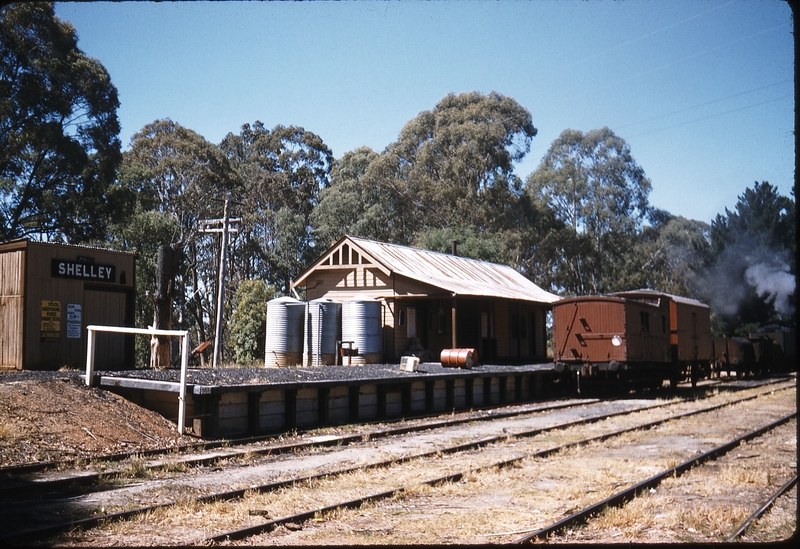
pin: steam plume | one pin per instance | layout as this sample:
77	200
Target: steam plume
773	280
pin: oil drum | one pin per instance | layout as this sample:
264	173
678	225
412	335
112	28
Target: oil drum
458	358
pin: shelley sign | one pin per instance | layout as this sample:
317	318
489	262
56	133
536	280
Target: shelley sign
83	269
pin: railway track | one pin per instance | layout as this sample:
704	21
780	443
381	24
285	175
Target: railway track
619	498
504	442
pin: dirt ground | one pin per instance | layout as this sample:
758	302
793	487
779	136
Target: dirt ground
49	420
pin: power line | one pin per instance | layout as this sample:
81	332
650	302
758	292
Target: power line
629	42
703	104
656	69
713	115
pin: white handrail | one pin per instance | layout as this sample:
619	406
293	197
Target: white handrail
183	334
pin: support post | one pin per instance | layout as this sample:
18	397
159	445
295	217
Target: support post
223	263
90	358
182	394
453	345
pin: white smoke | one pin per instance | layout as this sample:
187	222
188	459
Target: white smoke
774	280
743	268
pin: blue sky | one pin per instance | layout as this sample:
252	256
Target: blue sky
702	91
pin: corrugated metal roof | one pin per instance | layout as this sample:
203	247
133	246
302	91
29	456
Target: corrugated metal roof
656	293
459	275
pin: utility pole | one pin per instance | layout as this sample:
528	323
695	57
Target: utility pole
225	227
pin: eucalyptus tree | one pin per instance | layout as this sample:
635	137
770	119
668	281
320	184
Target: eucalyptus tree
178	179
671	255
599	192
354	204
454	165
283	170
59	145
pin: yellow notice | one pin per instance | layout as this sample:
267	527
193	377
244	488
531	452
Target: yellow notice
51	320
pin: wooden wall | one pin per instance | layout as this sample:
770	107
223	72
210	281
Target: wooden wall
12	272
44	317
398	294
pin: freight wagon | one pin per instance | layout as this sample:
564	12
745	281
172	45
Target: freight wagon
613	341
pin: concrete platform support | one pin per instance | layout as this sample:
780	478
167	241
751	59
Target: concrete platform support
307	410
272	410
232	412
205	420
393	399
368	402
338	405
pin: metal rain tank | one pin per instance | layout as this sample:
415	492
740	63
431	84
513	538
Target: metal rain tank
284	345
323	330
361	324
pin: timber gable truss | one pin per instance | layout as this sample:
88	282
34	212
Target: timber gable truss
347	256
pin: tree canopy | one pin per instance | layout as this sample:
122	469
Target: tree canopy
59	145
752	278
597	190
454	165
283	170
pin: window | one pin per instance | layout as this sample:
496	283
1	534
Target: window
519	325
411	329
644	316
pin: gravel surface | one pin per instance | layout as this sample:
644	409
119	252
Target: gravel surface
255	376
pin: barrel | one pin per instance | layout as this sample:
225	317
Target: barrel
323	330
284	342
361	324
458	358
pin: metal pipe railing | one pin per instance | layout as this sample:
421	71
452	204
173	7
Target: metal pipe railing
183	334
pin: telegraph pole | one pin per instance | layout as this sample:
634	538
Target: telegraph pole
225	227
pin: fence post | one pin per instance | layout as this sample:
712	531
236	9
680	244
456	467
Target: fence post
90	356
149	331
184	368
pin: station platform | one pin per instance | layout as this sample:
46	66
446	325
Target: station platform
238	402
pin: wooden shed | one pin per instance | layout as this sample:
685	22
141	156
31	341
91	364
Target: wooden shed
50	292
433	301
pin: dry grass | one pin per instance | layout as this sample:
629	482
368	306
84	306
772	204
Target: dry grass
492	506
8	431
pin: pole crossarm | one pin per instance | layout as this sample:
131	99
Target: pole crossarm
183	334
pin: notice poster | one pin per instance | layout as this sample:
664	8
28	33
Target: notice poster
73	321
51	320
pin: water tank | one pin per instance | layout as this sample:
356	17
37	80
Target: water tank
284	345
361	324
323	329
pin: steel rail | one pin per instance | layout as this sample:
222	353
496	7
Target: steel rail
763	509
214	444
90	522
455	477
483	415
234	494
83	479
626	495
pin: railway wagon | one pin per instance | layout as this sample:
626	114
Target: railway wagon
689	332
613	340
747	356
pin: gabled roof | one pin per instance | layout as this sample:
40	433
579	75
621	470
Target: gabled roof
656	293
459	275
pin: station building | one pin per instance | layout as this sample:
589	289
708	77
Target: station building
435	300
50	292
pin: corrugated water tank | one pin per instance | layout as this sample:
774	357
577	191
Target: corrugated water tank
284	345
323	330
361	324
